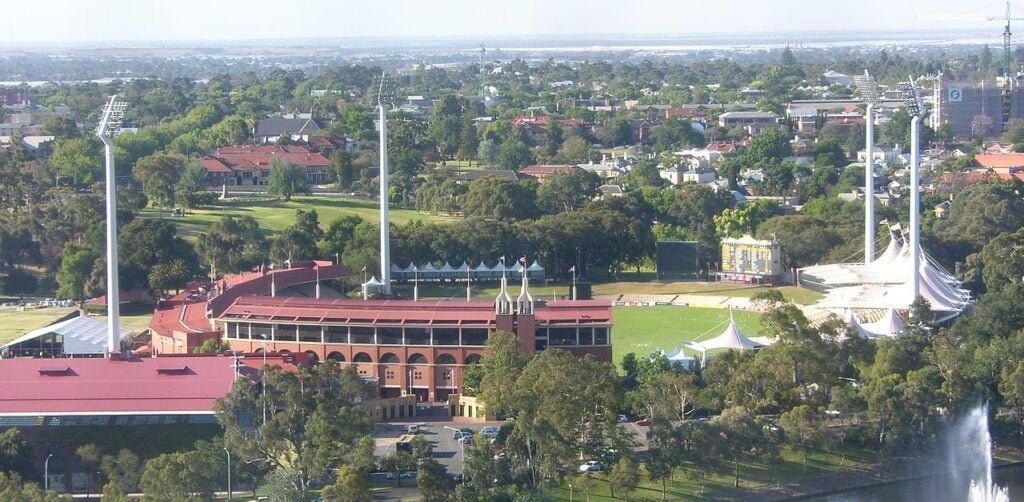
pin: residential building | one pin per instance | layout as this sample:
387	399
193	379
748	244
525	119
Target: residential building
541	171
754	123
250	165
1001	163
269	131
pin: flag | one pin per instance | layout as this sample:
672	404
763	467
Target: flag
502	259
522	259
572	270
364	268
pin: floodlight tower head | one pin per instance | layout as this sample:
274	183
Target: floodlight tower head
111	119
912	100
385	91
868	87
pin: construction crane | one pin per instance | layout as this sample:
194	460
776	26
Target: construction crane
1008	73
1007	66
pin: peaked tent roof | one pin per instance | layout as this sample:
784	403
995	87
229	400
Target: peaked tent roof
731	338
889	325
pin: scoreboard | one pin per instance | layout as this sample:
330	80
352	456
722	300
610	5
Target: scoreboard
751	257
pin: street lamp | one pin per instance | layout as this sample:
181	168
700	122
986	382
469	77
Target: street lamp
46	473
229	472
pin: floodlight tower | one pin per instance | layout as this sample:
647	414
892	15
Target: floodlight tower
915	106
385	95
868	88
110	122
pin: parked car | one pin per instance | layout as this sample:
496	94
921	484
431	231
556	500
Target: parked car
591	466
490	431
623	418
462	432
466	439
644	421
413	429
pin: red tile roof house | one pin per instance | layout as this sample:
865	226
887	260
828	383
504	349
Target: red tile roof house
250	165
541	172
1007	163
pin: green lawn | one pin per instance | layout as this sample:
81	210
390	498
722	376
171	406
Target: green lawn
687	481
644	330
275	215
137	323
14	324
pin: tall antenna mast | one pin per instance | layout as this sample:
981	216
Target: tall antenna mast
483	85
110	122
385	96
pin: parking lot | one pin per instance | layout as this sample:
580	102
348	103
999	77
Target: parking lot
447	449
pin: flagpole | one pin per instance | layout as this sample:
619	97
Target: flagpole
468	293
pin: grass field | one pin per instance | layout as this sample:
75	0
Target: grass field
14	324
135	322
686	483
644	330
274	215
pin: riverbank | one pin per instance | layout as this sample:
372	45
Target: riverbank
862	476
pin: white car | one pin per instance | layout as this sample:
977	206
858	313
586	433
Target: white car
591	466
490	431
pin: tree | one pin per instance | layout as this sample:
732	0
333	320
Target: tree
113	492
190	191
13	489
232	245
498	198
16	455
159	173
338	235
145	243
804	430
433	481
502	362
1003	260
624	477
487	152
741	438
176	476
771	144
344	169
350	486
514	155
313	419
1011	387
75	266
804	240
576	150
79	158
298	241
287	179
565	192
735	222
469	142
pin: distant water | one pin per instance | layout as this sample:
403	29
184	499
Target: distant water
939	489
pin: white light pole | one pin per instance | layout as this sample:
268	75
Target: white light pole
384	94
868	88
110	122
229	472
46	473
915	106
263	379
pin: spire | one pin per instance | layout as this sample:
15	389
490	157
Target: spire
525	301
503	304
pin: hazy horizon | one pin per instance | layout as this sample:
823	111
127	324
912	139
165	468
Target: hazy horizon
71	22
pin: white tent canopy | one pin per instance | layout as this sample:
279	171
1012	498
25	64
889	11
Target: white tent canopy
731	338
889	325
78	336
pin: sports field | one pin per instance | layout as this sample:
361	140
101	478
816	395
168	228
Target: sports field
274	215
14	324
644	330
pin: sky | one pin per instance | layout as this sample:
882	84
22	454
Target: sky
84	21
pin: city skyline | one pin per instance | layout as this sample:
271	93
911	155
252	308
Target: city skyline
70	22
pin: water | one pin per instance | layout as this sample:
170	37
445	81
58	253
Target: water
968	452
